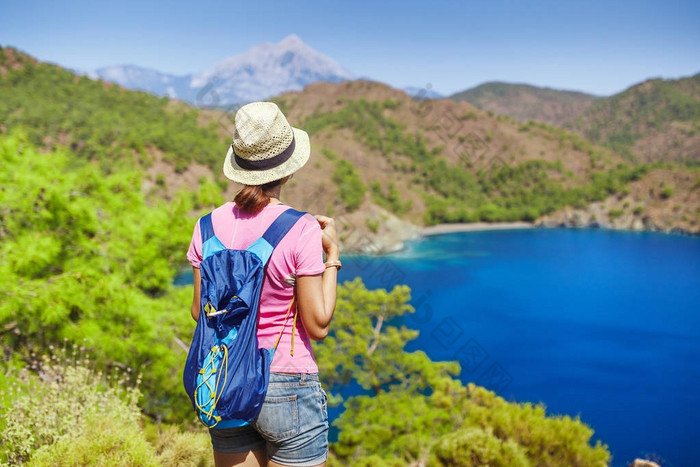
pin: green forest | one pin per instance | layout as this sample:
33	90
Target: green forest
94	333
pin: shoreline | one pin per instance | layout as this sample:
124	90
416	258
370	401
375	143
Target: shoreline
383	246
441	229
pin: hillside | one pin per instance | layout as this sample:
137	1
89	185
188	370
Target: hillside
657	120
451	162
524	102
384	164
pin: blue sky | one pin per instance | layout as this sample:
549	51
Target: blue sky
601	47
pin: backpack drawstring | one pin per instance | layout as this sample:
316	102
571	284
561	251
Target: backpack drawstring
208	371
294	326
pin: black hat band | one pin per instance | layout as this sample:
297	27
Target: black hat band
265	164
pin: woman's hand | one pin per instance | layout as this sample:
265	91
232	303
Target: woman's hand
329	237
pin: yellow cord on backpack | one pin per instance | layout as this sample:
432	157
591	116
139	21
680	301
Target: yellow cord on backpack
215	389
294	327
286	318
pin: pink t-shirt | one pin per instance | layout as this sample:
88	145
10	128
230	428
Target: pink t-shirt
299	253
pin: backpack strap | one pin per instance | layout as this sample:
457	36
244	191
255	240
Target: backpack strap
210	242
206	228
283	224
263	246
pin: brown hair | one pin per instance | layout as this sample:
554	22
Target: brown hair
252	198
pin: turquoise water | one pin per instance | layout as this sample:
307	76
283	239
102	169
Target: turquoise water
596	323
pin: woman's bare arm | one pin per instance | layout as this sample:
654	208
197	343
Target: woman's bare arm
197	281
316	295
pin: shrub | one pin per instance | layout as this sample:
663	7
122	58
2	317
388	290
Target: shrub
70	416
474	447
329	154
60	412
392	200
184	449
373	226
390	104
351	189
666	192
614	213
114	441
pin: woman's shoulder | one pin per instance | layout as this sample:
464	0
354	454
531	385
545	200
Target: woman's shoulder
307	220
227	208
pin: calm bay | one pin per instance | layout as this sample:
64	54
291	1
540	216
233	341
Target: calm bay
599	324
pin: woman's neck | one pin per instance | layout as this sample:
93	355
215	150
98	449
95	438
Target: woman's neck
274	194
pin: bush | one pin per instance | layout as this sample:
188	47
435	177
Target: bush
184	449
114	441
71	416
392	200
329	154
351	190
666	192
475	447
615	213
373	226
60	412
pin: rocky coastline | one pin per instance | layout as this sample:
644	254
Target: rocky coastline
596	216
394	238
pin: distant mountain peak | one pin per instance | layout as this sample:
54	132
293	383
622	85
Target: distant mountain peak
263	71
292	40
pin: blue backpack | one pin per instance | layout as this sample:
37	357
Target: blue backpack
226	374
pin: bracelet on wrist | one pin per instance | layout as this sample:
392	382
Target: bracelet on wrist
334	264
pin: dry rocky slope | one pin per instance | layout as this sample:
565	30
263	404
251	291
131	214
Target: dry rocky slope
471	140
657	120
524	102
665	200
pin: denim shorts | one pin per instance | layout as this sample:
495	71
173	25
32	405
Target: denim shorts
292	426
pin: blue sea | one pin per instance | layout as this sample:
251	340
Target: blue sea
599	324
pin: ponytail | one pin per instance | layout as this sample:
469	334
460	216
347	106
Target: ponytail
252	198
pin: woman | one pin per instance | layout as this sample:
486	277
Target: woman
292	428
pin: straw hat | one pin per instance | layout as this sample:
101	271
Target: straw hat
265	146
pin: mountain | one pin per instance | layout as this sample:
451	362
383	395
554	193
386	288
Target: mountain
438	161
524	102
441	161
145	79
422	92
657	120
265	70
